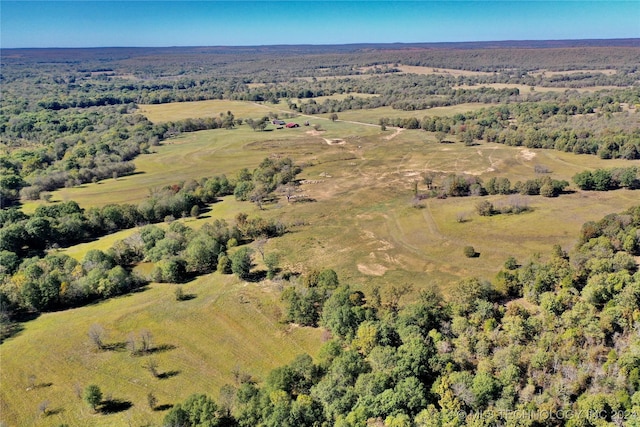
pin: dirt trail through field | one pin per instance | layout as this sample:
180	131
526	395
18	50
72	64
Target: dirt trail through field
397	132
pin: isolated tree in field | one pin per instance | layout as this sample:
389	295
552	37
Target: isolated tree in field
93	396
131	344
485	208
179	293
145	341
260	243
469	251
241	262
271	262
96	335
152	401
152	367
43	408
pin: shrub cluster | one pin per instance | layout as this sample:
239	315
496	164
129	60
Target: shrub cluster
608	179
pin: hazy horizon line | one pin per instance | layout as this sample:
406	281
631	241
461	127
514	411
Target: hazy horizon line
417	43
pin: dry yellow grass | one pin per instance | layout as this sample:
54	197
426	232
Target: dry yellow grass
361	223
159	113
229	325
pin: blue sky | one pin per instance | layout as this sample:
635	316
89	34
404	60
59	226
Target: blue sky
239	23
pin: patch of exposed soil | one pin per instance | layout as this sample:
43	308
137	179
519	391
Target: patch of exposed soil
372	269
526	154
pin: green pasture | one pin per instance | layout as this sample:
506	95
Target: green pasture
199	343
364	225
361	221
358	219
174	111
208	153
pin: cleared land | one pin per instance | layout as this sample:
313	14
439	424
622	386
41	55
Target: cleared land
373	115
159	113
361	223
231	326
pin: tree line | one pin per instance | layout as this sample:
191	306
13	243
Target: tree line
608	179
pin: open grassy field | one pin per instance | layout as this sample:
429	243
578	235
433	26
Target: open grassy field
159	113
231	326
373	115
414	69
208	153
360	222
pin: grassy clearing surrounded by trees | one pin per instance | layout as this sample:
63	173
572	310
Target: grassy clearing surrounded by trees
357	214
199	343
373	115
376	235
174	111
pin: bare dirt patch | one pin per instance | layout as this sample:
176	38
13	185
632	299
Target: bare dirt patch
335	141
314	132
526	154
372	269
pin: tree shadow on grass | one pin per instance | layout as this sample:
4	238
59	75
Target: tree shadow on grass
152	350
187	297
13	327
164	407
113	406
35	386
54	411
116	346
168	374
256	276
161	348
